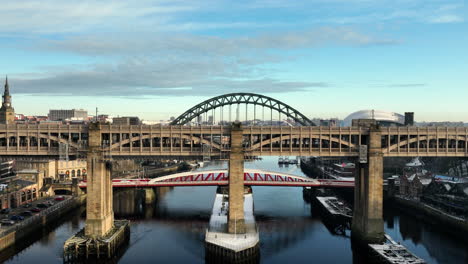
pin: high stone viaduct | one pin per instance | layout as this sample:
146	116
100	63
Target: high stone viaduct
234	142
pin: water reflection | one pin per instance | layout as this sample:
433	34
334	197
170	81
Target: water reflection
428	239
276	233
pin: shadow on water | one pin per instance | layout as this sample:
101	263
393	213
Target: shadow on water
212	258
277	233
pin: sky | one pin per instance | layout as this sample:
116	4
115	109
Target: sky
158	58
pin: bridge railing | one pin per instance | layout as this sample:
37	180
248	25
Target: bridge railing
414	130
197	150
45	127
32	149
37	218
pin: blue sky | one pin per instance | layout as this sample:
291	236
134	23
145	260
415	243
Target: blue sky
155	59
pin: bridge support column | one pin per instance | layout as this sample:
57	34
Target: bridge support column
99	212
368	224
236	222
150	196
76	191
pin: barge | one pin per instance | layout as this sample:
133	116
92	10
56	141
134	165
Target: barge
394	253
335	207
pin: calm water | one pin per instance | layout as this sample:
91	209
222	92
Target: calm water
172	231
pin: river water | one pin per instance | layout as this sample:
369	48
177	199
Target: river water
291	230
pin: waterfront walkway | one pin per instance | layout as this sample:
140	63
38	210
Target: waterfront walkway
18	225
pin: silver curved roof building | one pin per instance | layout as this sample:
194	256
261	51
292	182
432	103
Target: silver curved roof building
382	117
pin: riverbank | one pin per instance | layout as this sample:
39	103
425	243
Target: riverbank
13	234
158	172
455	225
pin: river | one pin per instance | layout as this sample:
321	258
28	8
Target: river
291	230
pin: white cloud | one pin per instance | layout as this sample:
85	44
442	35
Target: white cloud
57	16
446	19
179	64
198	45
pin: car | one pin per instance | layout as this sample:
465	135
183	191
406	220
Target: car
5	211
7	221
17	218
26	213
36	210
27	205
59	198
50	203
42	205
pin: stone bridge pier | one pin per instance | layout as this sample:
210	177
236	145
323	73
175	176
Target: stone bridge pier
236	223
368	223
99	211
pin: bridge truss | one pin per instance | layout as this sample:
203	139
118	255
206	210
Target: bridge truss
221	177
221	101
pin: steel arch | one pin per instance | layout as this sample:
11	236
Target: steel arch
241	98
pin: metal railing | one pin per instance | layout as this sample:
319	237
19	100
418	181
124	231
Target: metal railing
37	217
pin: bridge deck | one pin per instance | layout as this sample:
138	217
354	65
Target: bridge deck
157	140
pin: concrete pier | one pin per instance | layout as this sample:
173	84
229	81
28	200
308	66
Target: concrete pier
368	225
81	246
150	196
226	246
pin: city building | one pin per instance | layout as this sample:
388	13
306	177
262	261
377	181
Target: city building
63	114
24	119
412	186
61	170
17	192
126	120
210	120
441	124
7	112
7	169
329	122
450	195
383	118
104	118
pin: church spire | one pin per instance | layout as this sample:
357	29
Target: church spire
7	88
7	112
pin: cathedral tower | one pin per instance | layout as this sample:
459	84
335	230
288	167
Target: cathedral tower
7	112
